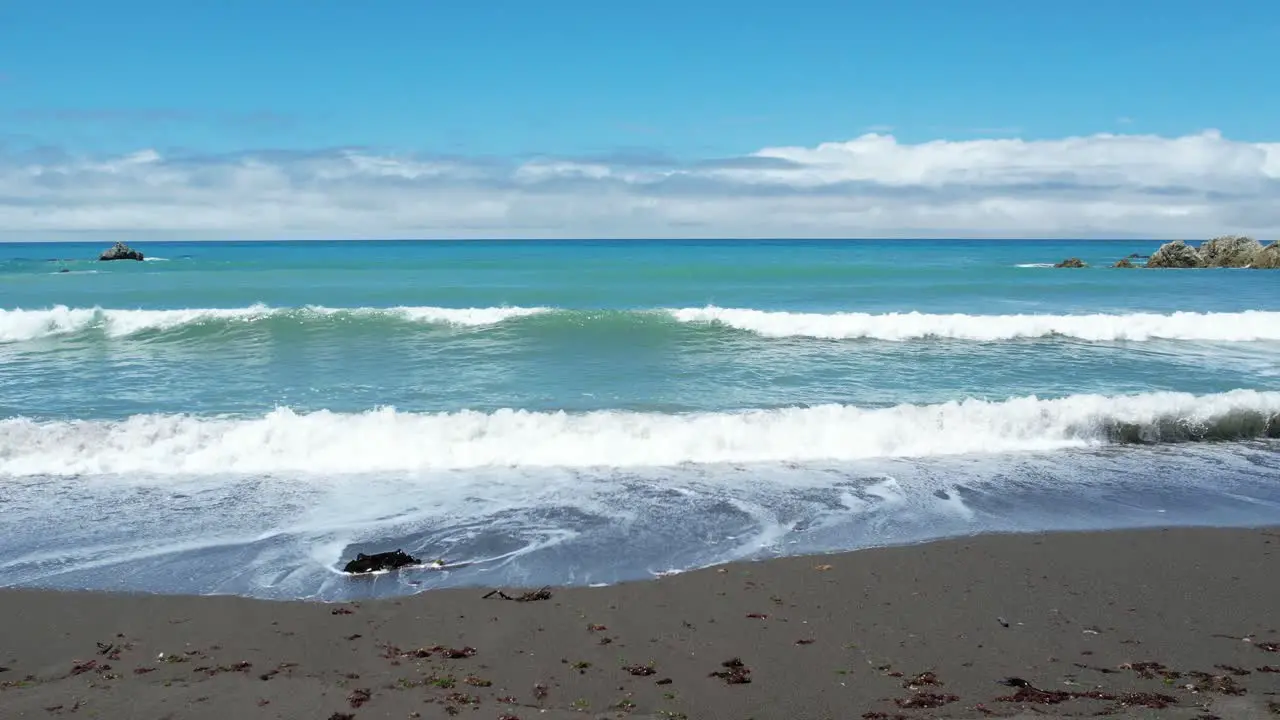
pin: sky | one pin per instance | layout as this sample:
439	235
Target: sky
573	118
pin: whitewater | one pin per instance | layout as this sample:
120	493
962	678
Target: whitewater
19	324
242	417
386	440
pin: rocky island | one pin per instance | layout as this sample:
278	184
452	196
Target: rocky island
1227	251
120	251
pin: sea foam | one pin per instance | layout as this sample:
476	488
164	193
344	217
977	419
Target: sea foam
1250	325
21	325
386	440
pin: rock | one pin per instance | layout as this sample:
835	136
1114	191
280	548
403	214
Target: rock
120	251
1136	256
1176	254
1268	258
1071	263
1123	263
1231	251
380	561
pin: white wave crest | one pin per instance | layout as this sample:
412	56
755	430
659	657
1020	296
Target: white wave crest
385	440
465	316
1253	325
1250	325
22	325
1034	265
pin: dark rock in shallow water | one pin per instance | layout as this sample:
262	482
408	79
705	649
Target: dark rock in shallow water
1123	263
381	561
1176	254
1071	263
120	251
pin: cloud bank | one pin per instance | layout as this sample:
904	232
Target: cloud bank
871	186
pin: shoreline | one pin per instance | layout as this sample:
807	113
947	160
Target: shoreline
746	563
926	629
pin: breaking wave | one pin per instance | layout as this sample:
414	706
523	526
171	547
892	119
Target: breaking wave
20	325
387	440
1253	325
1250	325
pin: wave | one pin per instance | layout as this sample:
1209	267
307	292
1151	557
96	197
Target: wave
1242	326
1252	325
386	440
21	325
1034	265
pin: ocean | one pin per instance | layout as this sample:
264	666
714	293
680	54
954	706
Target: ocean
244	417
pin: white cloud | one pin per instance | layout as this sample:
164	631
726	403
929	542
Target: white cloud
872	186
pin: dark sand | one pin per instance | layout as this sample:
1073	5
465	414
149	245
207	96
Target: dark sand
842	636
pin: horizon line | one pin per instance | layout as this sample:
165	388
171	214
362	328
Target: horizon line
620	240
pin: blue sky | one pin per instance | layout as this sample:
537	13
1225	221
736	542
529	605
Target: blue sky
584	76
288	83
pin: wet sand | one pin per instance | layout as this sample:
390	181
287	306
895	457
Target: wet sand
1153	623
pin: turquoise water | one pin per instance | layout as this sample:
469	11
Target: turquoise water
237	417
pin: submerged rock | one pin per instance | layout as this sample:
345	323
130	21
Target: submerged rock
120	251
1268	258
1123	263
1230	251
1176	254
1071	263
380	561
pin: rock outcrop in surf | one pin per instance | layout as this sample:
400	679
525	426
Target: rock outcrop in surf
1230	251
1071	263
1124	263
1268	258
1227	251
1176	254
120	251
380	561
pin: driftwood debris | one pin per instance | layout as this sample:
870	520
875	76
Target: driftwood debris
543	593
